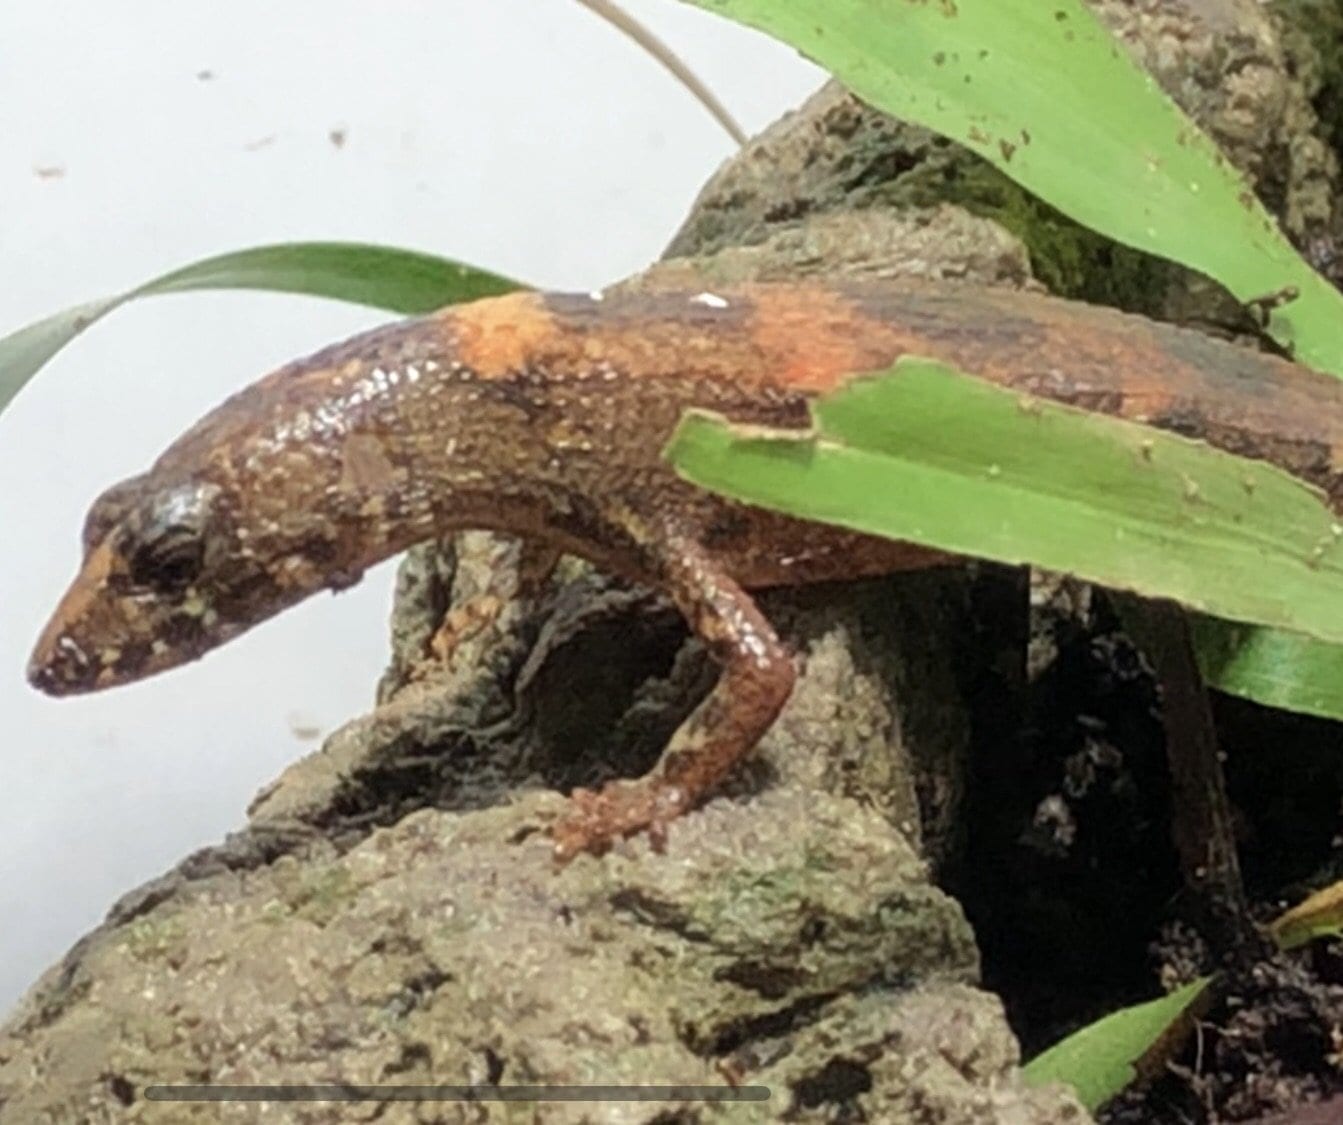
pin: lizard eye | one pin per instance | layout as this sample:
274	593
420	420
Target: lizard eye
167	538
168	561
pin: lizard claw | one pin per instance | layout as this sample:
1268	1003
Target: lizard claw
597	819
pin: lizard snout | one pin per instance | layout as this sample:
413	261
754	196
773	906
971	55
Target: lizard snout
59	666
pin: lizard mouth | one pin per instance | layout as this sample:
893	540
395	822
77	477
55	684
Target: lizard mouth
60	665
61	668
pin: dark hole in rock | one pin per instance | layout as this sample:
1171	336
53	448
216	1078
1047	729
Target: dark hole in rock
840	1080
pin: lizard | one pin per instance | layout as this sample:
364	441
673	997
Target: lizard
544	415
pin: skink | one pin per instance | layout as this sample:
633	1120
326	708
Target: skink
544	415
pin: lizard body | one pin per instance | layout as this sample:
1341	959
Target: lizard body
544	415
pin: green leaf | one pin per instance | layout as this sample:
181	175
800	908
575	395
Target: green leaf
969	467
1319	916
1277	669
1103	1058
1047	95
403	281
23	353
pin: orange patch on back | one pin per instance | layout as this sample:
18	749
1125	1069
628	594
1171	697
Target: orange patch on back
499	335
819	338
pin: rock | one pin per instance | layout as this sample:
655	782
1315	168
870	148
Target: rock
446	949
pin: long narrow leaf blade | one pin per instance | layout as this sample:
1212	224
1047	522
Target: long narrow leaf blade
965	466
1278	669
1046	94
403	281
384	277
25	352
1103	1058
1319	916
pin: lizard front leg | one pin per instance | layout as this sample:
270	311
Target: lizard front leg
757	677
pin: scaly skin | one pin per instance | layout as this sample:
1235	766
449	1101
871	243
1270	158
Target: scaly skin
545	416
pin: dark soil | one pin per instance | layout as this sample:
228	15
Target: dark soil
1073	886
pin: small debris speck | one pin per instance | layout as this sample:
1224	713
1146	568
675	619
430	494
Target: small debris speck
337	136
304	727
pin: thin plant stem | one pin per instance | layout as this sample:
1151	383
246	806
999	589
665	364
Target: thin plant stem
624	22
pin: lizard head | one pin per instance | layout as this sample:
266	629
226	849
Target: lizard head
163	580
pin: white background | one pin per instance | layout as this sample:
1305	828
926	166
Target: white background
522	135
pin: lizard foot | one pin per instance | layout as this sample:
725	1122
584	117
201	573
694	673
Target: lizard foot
597	819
